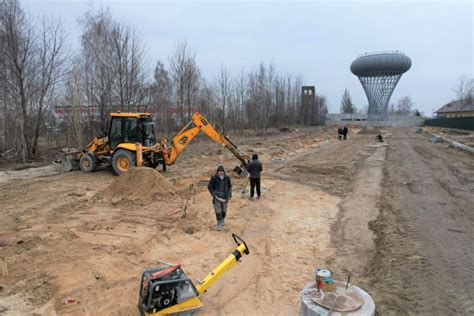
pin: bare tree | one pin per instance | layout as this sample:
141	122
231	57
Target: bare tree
279	92
51	66
404	105
161	92
392	108
207	100
33	64
115	69
240	96
268	96
259	98
19	54
464	91
3	80
97	64
294	101
129	71
346	103
192	85
223	92
74	97
185	77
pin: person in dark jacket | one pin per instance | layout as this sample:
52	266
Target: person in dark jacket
254	168
340	134
344	132
220	188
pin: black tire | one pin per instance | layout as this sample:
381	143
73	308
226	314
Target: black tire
88	163
123	160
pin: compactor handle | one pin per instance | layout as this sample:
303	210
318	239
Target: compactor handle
240	241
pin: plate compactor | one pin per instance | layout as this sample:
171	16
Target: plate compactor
167	290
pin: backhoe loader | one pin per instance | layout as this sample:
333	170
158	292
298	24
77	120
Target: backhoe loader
131	143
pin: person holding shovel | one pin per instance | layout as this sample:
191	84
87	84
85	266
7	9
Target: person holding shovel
220	188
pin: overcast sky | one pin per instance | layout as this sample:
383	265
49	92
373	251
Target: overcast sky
317	40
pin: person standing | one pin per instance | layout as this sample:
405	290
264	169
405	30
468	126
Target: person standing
339	133
220	188
255	168
344	132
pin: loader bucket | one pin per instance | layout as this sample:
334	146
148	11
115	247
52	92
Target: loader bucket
67	162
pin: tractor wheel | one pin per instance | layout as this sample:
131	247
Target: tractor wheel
88	163
123	160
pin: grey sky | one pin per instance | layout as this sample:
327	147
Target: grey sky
318	40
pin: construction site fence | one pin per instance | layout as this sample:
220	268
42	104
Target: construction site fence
361	119
466	123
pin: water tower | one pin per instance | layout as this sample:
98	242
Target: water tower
379	74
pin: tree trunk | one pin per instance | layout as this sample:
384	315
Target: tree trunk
34	146
24	136
25	150
4	117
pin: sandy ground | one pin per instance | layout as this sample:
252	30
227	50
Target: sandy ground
424	258
396	216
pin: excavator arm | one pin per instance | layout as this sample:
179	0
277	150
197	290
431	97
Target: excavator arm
185	136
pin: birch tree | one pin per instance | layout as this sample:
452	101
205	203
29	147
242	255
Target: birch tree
185	78
223	93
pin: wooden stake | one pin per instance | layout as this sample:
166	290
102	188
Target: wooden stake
3	265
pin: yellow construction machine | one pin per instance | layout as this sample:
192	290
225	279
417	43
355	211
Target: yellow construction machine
131	143
167	290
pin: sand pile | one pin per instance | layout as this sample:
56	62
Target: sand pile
139	184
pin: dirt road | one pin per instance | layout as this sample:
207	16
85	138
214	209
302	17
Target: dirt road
424	259
405	229
396	216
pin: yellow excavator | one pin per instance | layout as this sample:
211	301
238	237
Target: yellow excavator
131	143
167	290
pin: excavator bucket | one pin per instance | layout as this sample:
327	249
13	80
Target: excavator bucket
240	171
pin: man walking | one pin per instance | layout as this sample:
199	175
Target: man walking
220	188
254	168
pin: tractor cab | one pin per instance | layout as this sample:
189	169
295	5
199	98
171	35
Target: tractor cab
131	128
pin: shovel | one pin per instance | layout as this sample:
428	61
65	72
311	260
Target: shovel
245	186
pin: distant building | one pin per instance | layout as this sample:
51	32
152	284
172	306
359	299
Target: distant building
310	107
457	109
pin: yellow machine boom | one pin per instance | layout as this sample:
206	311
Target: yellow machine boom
188	132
